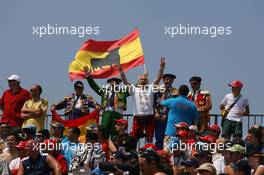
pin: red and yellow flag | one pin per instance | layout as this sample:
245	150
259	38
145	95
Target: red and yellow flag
100	56
82	122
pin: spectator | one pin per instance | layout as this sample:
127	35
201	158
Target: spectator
76	105
56	131
88	159
206	169
12	102
10	152
214	130
21	152
42	135
188	166
203	156
70	144
37	163
255	160
253	140
203	102
180	110
149	163
161	113
236	154
34	110
232	124
52	147
143	102
113	102
4	130
242	168
123	141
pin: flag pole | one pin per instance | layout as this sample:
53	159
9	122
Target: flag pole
145	69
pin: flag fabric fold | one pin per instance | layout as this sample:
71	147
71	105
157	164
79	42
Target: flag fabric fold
101	56
81	123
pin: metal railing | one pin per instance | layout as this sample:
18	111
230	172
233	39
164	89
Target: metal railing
248	121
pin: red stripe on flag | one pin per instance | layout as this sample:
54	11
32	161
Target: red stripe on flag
76	122
105	46
109	71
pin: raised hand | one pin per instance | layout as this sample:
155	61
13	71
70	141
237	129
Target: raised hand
87	71
162	62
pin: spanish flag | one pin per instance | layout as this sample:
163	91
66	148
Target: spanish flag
82	122
101	56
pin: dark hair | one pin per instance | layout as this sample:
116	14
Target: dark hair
39	88
76	130
183	90
256	133
45	133
90	135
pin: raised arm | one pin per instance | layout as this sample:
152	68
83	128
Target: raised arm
91	82
161	70
123	76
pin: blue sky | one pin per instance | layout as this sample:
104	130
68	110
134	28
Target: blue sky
218	61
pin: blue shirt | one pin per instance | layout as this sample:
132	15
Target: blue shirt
181	109
69	149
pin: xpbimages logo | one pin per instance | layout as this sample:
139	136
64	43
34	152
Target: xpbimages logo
80	31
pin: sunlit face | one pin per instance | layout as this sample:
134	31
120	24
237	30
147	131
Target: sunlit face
143	80
34	91
11	141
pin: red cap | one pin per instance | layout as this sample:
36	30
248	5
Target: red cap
215	128
124	122
208	138
182	133
236	84
182	125
147	146
21	145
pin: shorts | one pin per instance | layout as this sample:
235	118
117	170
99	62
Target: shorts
232	128
141	123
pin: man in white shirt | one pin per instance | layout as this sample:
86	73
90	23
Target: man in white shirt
238	106
143	102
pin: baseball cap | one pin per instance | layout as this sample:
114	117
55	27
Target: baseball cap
182	125
124	122
14	77
242	165
148	146
208	138
214	127
21	145
206	167
165	155
191	162
182	133
119	155
236	84
78	84
57	125
237	148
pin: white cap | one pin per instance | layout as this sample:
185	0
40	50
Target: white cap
14	77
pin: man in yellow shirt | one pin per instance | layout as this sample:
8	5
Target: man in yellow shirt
35	109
